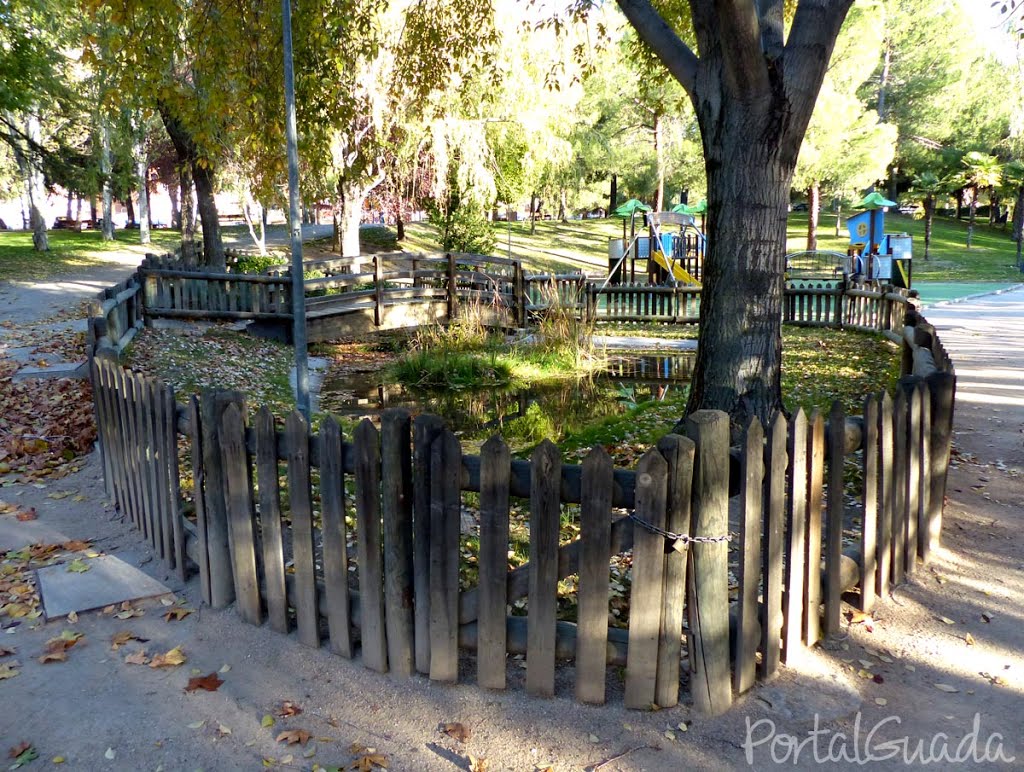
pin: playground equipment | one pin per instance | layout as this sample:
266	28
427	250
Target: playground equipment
670	257
875	254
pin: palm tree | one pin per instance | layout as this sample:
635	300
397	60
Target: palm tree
981	172
928	188
1013	177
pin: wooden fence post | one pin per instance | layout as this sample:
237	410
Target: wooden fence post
445	522
748	633
869	523
369	547
396	508
885	495
495	471
297	449
796	538
595	547
240	514
545	488
900	472
270	520
453	290
335	538
426	429
709	591
943	391
645	604
520	299
815	503
378	289
775	503
925	453
678	452
834	518
912	387
212	405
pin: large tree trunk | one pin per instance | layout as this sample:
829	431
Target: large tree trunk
213	245
1018	215
202	174
929	219
106	168
351	198
813	207
563	205
261	239
613	195
188	213
172	193
142	181
35	187
739	354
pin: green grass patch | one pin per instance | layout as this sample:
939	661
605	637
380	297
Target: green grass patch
71	251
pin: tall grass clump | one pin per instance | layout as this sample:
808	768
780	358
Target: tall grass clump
565	338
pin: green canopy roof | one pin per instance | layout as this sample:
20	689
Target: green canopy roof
698	208
631	207
875	200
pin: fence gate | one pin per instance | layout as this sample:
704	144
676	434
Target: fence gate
136	418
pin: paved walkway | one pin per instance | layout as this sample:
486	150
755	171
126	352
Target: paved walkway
946	647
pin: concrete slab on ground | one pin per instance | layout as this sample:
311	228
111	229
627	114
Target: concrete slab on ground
109	580
15	534
52	372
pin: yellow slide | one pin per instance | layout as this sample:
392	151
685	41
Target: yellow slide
681	275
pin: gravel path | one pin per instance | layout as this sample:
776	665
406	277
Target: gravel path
99	713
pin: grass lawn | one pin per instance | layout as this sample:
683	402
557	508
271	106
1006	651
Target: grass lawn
71	250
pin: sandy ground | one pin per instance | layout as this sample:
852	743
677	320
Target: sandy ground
97	712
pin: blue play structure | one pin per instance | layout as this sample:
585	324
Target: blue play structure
875	254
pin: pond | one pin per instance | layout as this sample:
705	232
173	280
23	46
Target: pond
522	416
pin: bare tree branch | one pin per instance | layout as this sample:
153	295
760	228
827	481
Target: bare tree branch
666	44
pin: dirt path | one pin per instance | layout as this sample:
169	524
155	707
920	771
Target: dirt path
99	712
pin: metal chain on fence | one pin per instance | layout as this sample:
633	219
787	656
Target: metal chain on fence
680	541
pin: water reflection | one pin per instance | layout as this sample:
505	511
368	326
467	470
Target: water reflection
522	416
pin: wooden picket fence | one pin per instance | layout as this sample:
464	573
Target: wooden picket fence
402	609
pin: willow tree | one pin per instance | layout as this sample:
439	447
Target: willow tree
753	88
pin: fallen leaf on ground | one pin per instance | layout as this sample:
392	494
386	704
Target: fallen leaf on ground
78	566
457	731
946	620
176	613
26	515
946	688
109	755
294	737
73	617
53	656
9	670
969	639
477	765
366	758
267	721
123	637
22	755
56	648
76	545
172	658
288	708
137	658
6	652
209	683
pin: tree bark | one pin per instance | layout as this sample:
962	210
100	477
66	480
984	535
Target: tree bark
172	193
613	195
202	176
1018	215
813	207
188	213
35	188
563	205
105	170
350	210
142	181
